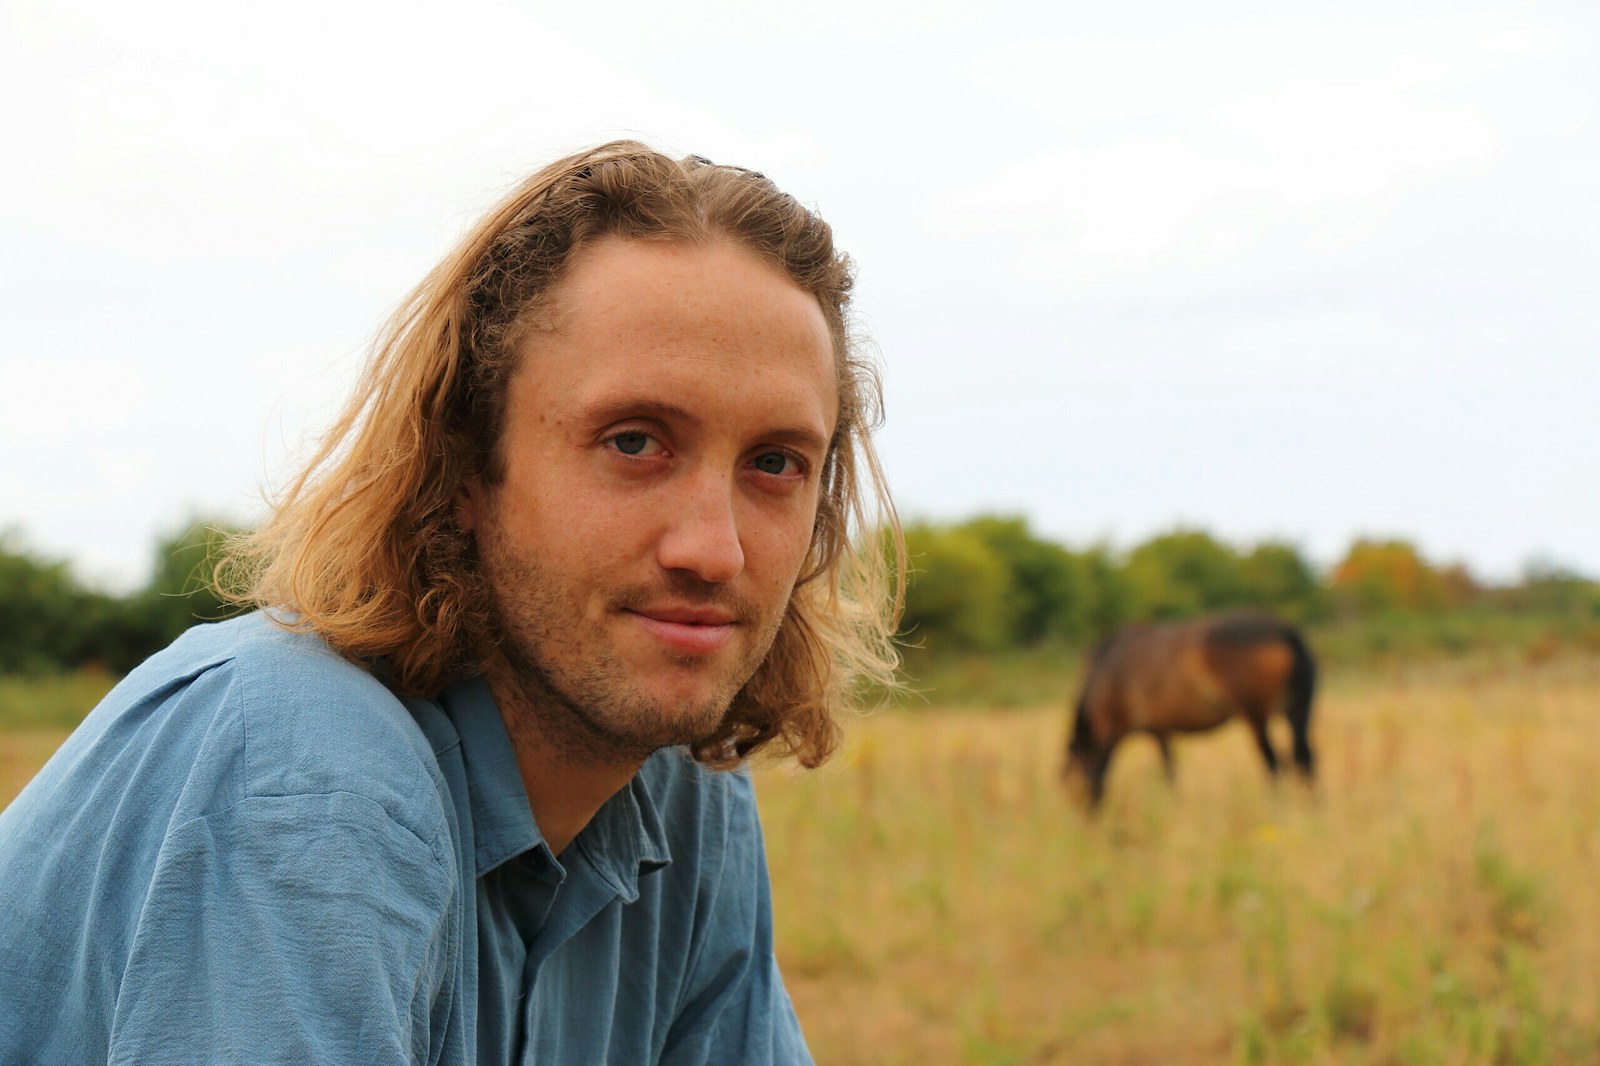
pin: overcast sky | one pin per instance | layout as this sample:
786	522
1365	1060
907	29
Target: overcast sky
1306	271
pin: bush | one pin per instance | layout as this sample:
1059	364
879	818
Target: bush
50	622
957	592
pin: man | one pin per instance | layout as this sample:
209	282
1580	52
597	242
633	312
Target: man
579	545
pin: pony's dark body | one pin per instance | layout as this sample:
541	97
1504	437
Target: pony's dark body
1188	677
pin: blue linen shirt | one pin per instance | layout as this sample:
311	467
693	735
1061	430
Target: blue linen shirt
253	851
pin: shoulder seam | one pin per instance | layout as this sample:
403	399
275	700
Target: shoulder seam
247	789
430	843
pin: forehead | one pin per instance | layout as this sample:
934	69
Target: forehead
681	323
616	285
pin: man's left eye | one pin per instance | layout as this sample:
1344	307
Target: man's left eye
631	443
776	463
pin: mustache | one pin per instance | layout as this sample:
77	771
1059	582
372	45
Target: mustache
687	590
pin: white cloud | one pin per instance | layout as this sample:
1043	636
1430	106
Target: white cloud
1297	148
49	400
180	132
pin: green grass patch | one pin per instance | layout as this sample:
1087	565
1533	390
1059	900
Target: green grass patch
1385	639
50	701
1372	648
1019	677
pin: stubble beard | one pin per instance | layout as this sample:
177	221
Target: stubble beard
578	696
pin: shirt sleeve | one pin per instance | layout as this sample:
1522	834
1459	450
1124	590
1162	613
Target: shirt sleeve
738	1010
304	929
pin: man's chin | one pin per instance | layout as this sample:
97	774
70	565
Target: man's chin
689	723
671	714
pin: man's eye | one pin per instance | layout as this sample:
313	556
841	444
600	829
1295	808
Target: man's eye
776	463
631	443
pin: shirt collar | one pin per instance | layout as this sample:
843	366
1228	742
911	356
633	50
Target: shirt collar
502	823
625	838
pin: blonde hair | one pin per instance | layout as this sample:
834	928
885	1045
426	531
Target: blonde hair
363	546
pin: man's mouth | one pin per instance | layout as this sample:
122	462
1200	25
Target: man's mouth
694	630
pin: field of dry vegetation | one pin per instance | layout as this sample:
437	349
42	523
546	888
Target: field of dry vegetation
1435	900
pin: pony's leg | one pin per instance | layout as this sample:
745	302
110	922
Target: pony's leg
1258	723
1097	776
1166	757
1297	703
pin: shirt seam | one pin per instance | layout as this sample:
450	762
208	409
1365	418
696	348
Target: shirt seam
247	790
430	844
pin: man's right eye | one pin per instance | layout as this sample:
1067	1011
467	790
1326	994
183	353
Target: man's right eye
635	443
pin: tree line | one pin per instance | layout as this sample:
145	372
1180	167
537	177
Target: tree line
985	584
51	621
990	583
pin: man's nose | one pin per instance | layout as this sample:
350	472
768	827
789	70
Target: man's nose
702	532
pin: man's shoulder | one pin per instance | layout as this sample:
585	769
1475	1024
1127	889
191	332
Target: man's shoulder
278	678
284	714
252	644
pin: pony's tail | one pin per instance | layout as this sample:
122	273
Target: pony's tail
1080	724
1302	686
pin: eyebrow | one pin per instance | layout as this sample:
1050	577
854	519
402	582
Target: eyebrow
667	412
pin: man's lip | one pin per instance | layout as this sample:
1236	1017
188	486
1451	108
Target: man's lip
686	616
687	630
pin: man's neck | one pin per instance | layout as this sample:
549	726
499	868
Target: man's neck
565	787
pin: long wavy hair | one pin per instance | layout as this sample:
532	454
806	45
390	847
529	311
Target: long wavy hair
363	546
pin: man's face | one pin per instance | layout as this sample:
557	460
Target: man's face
662	452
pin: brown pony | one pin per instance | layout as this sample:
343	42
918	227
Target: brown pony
1188	677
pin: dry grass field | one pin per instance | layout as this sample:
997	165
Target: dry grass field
1436	899
22	752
